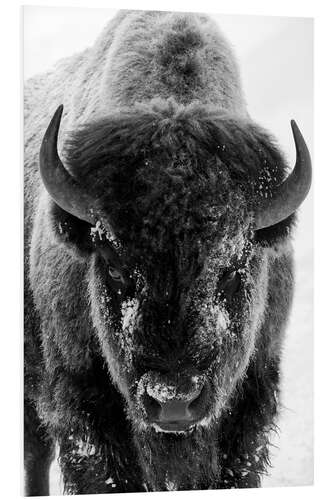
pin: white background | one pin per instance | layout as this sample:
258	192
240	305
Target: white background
260	111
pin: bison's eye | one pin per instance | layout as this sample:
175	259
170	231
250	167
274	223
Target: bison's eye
115	274
228	283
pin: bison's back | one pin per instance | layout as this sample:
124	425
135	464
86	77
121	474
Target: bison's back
164	54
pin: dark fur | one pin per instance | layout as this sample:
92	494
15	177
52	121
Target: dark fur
178	168
102	154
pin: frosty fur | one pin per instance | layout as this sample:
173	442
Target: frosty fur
156	125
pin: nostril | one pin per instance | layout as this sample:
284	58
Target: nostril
153	407
194	403
197	405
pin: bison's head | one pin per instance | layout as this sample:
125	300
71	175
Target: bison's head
175	210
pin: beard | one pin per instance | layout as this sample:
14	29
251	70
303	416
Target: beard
179	461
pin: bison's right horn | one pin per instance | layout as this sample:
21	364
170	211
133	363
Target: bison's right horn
61	186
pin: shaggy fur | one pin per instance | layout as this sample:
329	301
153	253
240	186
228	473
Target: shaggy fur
157	130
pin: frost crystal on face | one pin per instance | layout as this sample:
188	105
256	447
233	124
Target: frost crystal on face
129	311
223	319
97	231
162	392
113	239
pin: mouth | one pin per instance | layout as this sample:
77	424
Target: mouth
174	427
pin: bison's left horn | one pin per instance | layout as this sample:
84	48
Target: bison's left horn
291	193
61	186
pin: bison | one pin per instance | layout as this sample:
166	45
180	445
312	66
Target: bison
158	264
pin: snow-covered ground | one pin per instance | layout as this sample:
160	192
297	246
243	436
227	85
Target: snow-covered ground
276	60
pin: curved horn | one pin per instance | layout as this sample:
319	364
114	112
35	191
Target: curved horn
292	192
61	186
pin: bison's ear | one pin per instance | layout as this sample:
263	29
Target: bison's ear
70	231
277	235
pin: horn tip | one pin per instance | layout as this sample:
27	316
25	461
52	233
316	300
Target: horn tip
293	124
295	130
59	110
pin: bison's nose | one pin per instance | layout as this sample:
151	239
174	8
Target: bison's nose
173	410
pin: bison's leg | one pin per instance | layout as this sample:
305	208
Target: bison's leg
87	469
38	454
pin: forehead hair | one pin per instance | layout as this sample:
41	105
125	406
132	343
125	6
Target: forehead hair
171	176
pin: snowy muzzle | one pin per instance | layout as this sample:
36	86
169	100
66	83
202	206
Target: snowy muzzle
172	404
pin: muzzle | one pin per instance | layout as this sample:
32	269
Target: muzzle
173	404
